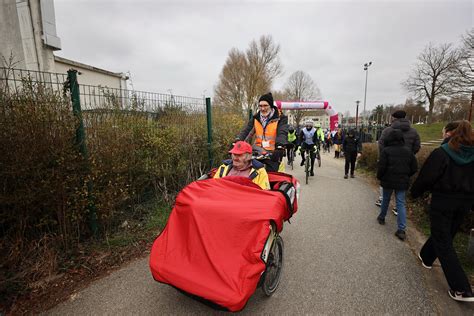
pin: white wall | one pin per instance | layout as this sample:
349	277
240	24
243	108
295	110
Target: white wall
91	77
21	35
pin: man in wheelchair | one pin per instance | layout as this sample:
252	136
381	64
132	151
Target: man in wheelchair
243	165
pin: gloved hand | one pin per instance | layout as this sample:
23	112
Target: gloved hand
278	153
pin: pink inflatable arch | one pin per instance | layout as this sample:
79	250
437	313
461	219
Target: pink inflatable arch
312	105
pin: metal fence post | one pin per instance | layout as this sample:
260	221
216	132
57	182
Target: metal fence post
209	131
80	142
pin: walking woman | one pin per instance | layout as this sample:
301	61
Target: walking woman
448	174
337	140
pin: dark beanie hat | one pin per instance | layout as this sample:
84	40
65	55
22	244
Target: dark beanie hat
267	97
399	114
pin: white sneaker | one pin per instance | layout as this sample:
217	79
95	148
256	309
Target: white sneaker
394	211
378	202
461	296
423	264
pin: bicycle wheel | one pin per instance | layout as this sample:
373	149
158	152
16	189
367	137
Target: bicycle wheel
291	157
306	166
274	267
318	156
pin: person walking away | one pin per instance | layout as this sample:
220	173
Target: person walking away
243	165
410	135
448	173
292	142
337	140
352	148
308	140
270	130
327	139
396	165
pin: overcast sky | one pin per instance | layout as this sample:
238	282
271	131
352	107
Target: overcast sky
182	45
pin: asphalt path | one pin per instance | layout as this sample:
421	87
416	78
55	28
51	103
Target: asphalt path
338	260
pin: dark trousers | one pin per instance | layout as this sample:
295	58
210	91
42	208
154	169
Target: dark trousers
328	145
350	159
289	147
312	153
446	218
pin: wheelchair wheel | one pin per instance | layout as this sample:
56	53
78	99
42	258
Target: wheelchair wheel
274	268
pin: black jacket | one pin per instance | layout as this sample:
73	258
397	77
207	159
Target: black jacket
410	135
282	128
447	173
397	163
351	144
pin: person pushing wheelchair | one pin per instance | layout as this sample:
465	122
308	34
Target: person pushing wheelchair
270	130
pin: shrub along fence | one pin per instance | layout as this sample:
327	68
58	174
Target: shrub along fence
77	160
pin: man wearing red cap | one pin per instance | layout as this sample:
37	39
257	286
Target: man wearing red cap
243	165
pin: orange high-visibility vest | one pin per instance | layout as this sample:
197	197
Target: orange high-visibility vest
269	133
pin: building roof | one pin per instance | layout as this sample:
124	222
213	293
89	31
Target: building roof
78	64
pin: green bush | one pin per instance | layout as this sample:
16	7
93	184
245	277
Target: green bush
133	158
42	195
368	159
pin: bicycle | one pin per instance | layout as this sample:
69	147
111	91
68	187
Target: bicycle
318	155
307	163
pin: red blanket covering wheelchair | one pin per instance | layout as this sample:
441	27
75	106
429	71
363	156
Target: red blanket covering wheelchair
215	244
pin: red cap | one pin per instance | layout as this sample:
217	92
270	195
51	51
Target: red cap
241	147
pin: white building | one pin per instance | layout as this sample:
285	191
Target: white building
310	115
28	34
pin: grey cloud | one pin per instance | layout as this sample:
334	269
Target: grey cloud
183	45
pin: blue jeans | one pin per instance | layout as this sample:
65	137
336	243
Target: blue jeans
400	200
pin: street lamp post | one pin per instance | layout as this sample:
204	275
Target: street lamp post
357	112
366	68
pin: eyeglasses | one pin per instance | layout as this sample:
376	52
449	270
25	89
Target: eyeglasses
263	105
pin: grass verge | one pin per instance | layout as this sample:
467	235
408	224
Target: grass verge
429	132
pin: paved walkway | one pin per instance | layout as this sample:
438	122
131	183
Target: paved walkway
435	142
338	260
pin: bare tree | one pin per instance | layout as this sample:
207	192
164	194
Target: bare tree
465	71
300	87
456	108
415	111
433	75
248	74
230	91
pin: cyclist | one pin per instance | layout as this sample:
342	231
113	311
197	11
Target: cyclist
243	165
270	128
292	142
319	134
308	140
